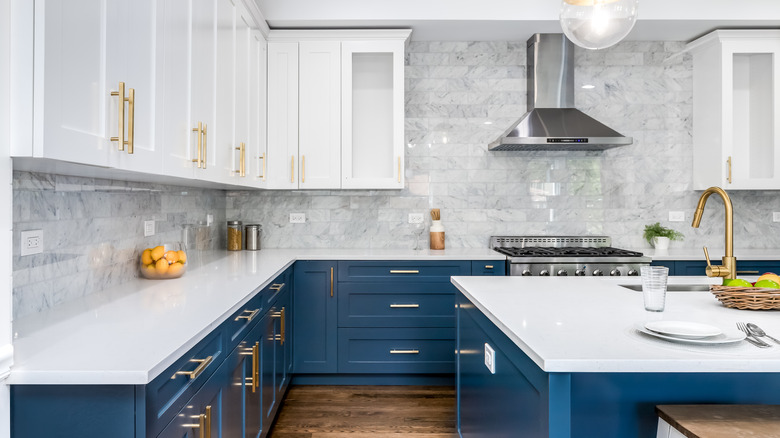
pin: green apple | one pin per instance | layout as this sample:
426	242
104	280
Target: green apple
767	284
737	282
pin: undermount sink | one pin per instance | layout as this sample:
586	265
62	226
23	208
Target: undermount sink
673	287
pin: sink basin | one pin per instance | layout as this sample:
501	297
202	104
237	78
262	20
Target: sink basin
673	287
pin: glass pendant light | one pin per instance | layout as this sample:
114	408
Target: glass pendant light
597	24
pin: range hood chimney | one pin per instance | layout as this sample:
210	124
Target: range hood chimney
552	123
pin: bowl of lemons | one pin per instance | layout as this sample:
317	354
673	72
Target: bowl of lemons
163	262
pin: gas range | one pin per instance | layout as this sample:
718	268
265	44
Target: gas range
567	256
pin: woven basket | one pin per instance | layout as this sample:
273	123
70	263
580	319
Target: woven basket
747	298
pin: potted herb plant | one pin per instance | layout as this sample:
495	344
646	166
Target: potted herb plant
659	236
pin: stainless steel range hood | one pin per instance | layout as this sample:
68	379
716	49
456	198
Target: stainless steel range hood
552	123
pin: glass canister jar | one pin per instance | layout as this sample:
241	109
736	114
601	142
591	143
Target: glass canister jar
234	236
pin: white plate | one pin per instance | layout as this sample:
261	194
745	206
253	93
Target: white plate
723	338
683	329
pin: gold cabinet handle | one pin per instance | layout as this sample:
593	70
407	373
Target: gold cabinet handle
262	157
255	366
404	351
292	169
120	116
208	422
404	306
729	161
205	142
747	272
248	317
399	168
331	282
202	364
488	266
131	121
303	168
241	158
199	130
277	287
282	324
401	271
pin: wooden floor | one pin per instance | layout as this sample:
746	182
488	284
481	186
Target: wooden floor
367	411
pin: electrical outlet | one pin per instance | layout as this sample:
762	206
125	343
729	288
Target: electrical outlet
676	216
416	218
148	228
32	242
490	358
776	216
297	218
209	219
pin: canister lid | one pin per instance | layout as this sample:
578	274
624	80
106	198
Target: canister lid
234	222
252	226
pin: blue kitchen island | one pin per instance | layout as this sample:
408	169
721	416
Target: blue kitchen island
565	357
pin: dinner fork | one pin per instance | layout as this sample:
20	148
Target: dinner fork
750	338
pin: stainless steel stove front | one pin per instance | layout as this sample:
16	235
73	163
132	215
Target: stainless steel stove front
575	269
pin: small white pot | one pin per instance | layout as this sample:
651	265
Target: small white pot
661	243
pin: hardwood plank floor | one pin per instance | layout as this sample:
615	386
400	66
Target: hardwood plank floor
375	411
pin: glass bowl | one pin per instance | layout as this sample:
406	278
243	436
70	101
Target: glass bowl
163	262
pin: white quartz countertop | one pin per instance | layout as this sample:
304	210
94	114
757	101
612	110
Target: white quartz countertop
588	324
715	254
129	334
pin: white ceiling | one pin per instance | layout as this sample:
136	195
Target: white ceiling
487	20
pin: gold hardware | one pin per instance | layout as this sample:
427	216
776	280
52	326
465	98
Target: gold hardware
404	306
205	142
397	271
747	272
399	168
208	421
241	158
331	282
303	168
131	121
488	266
282	323
121	116
202	364
729	161
292	168
255	366
277	287
404	351
202	425
248	317
199	130
262	157
729	267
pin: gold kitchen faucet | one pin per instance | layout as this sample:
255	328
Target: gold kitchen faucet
729	267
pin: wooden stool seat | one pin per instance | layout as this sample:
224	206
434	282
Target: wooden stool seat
721	421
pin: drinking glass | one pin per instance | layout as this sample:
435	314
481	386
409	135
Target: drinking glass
654	287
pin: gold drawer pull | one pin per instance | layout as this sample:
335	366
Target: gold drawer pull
255	366
248	317
199	131
205	158
747	272
203	363
404	306
404	351
262	157
331	282
277	287
401	271
488	266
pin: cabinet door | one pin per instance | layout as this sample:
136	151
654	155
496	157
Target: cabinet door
243	40
203	414
372	114
319	126
256	143
267	370
314	317
283	347
253	386
221	154
282	115
72	89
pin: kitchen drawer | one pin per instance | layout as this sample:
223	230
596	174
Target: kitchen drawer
488	267
281	283
167	394
397	350
240	322
396	305
402	271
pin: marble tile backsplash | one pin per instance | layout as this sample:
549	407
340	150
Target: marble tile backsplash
93	231
462	95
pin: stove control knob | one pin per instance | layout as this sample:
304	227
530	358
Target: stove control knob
598	272
615	272
562	273
526	273
579	272
544	273
632	272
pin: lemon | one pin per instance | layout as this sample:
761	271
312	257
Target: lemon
767	284
174	269
770	276
161	266
146	257
182	256
158	252
149	270
737	282
172	256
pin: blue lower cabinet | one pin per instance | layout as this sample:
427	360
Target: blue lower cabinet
667	263
488	267
396	305
397	350
314	317
697	267
202	416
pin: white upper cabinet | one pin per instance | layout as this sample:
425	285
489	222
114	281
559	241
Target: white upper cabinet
83	50
372	114
282	115
256	153
736	99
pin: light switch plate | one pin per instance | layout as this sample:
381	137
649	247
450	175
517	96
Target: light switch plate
31	242
676	216
148	228
490	358
776	216
297	218
209	219
416	218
